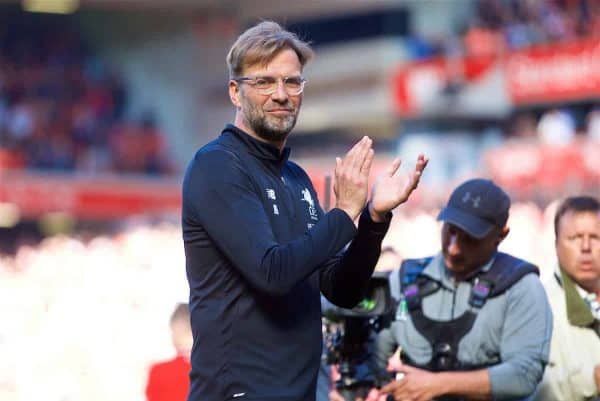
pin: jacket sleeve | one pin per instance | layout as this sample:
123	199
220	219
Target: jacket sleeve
344	277
562	383
573	355
219	195
525	341
385	346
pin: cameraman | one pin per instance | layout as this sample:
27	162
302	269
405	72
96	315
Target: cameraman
473	323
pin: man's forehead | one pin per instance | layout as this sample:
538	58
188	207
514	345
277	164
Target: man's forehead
569	220
285	59
575	214
457	228
489	236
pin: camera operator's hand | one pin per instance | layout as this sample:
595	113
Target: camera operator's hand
352	178
375	395
335	395
391	189
416	385
395	362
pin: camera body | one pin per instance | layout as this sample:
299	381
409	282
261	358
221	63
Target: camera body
349	335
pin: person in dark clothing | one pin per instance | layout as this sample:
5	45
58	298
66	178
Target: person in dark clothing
259	249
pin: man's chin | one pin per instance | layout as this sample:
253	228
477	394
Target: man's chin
454	267
587	277
275	132
272	135
458	270
284	125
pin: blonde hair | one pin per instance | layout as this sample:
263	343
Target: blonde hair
261	43
180	314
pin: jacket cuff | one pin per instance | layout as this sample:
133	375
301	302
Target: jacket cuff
341	217
365	221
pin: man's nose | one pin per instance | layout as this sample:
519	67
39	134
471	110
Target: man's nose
280	95
586	244
453	247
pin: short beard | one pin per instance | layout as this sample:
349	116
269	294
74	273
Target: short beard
262	125
270	132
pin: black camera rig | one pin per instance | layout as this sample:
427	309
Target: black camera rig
349	334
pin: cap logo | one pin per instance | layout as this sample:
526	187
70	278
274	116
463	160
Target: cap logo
474	200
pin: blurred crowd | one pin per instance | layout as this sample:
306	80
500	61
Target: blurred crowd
553	154
62	108
85	318
557	127
534	157
497	26
514	24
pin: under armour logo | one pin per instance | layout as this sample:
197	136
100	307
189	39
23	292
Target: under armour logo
474	200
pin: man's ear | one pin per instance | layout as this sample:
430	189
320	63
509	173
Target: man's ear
503	233
234	94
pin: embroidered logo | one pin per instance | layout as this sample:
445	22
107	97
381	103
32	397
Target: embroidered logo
307	197
271	194
475	201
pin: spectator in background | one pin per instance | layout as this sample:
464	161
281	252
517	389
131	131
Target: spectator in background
521	26
556	128
573	372
476	323
480	41
593	125
169	380
153	145
523	128
593	14
555	21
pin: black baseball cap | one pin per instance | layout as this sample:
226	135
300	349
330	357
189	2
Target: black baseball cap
476	206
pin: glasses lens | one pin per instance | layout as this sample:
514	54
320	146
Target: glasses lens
265	84
268	85
294	85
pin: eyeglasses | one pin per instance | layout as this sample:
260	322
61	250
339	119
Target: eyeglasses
268	85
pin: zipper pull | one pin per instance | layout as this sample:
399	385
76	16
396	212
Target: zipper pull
402	312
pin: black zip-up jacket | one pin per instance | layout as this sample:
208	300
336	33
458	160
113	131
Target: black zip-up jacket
259	250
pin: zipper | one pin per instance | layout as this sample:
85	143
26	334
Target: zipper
454	300
291	201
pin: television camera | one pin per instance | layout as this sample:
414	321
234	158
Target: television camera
349	334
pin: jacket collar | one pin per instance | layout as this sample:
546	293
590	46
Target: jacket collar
578	312
255	147
437	271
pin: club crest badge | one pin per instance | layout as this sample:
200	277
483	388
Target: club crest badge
312	210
